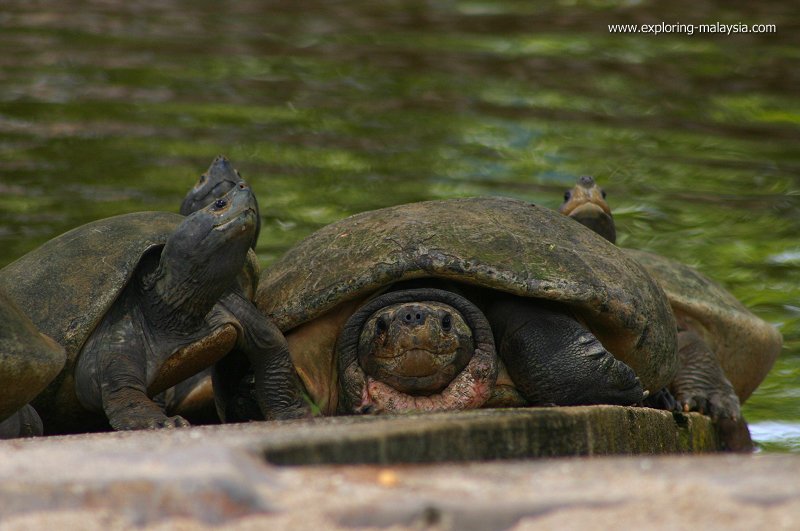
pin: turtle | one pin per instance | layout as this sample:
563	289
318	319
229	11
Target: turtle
193	398
467	303
29	360
725	351
136	300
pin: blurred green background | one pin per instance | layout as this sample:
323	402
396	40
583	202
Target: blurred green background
333	107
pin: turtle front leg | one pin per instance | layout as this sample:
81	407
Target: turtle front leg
125	401
700	384
277	386
554	360
110	377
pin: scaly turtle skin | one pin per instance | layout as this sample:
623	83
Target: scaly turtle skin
725	351
193	398
136	300
29	360
467	303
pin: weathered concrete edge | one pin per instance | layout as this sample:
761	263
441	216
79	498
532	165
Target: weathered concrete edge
494	434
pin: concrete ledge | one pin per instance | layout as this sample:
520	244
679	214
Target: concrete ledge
213	476
495	434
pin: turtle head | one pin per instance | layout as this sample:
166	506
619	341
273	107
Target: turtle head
415	347
586	204
218	180
203	256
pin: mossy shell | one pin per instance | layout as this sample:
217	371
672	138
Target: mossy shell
745	345
29	360
497	243
68	284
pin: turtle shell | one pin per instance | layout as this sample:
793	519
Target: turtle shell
746	345
68	284
29	360
496	243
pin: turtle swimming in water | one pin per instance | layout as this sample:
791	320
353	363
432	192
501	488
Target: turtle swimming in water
467	303
137	302
724	350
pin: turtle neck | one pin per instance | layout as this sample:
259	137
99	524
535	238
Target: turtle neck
177	299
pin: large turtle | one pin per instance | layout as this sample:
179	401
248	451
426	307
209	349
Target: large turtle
725	351
29	360
468	303
136	300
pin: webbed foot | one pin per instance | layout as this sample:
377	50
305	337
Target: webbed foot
700	384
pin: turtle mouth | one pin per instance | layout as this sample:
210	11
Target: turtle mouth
586	209
242	219
418	363
408	352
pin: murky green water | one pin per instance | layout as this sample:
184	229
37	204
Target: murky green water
330	108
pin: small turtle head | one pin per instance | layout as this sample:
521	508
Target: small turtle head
212	243
213	184
586	204
218	180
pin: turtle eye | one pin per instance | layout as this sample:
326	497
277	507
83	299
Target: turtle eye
603	192
567	195
447	322
380	325
220	203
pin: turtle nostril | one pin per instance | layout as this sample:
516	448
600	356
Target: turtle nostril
419	317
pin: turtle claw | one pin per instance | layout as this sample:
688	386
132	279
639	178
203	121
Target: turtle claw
149	422
662	399
171	423
717	404
700	384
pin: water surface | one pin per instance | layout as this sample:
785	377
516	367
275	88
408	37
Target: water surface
331	108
